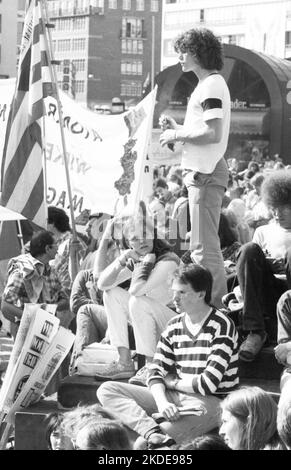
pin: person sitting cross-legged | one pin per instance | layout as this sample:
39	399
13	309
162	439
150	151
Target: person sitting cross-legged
194	367
263	266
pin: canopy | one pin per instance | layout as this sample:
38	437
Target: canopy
7	214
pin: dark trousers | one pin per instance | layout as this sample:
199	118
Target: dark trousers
260	288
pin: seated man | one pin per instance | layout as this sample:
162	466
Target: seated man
263	266
195	365
32	280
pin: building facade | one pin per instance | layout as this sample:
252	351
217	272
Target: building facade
105	48
260	25
11	26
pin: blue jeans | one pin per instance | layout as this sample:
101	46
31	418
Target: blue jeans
205	193
134	406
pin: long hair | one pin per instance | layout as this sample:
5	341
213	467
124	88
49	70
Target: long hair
257	413
105	433
53	423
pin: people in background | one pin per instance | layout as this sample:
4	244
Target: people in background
263	267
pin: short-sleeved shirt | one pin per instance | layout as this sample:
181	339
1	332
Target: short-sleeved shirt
209	100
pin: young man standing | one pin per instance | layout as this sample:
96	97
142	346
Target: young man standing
204	135
194	366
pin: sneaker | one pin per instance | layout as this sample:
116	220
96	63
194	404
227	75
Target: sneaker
251	346
114	371
140	378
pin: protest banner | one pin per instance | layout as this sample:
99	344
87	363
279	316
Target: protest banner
108	155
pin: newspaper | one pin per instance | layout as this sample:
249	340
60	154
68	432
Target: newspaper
42	374
32	342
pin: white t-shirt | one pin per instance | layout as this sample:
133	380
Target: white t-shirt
209	100
273	239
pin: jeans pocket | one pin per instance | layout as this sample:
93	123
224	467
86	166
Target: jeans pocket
201	179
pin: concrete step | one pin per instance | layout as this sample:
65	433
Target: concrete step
78	389
264	367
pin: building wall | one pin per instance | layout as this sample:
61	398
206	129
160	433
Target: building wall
260	25
109	70
11	25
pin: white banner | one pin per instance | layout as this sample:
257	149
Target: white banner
107	155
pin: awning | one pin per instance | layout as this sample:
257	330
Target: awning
249	122
7	214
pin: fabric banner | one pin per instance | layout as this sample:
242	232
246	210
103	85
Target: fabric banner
108	155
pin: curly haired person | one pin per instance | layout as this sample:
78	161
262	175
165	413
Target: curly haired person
204	135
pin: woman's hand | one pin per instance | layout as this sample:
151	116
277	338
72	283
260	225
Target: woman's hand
149	258
129	258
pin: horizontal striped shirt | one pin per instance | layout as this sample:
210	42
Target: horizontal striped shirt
211	355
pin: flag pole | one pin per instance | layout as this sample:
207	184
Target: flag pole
48	42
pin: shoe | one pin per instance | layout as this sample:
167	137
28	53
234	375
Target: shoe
140	378
114	371
251	346
156	440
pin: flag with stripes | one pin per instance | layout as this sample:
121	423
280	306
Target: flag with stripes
23	188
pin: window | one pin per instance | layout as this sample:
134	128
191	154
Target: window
139	5
131	88
126	4
112	4
132	46
79	44
79	65
154	5
79	22
133	28
64	45
63	24
131	67
79	86
288	38
201	16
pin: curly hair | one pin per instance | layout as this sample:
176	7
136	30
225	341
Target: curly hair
204	45
276	189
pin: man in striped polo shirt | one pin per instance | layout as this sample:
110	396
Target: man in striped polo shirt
194	367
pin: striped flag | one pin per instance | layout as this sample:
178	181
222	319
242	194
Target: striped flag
23	187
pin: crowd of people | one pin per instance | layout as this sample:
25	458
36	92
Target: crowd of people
162	285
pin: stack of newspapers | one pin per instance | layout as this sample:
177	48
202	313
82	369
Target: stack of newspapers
40	347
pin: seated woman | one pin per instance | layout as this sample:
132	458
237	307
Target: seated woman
249	420
149	263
